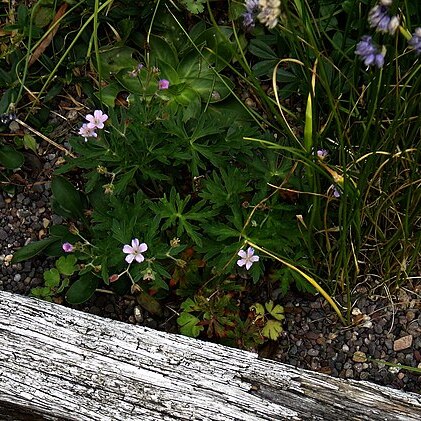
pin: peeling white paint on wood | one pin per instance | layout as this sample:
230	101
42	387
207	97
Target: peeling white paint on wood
61	364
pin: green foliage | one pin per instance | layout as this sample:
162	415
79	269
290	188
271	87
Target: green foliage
32	249
56	280
227	156
82	289
269	318
10	158
194	6
67	200
220	318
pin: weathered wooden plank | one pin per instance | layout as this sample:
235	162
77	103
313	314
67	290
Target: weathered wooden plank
61	364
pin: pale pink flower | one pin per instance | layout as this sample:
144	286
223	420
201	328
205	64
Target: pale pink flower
134	252
247	258
97	120
86	131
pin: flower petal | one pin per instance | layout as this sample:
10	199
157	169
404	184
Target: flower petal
128	249
129	258
135	243
139	258
142	248
250	251
241	262
242	254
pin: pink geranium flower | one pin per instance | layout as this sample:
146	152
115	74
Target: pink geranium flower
134	252
86	132
247	258
97	120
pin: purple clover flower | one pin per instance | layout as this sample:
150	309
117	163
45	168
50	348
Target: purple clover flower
369	53
322	154
415	41
336	191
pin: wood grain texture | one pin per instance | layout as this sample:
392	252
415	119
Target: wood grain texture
60	364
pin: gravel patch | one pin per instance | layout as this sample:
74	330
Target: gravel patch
384	331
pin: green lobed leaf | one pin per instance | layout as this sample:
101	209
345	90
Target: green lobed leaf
276	312
189	324
52	278
272	329
41	292
66	265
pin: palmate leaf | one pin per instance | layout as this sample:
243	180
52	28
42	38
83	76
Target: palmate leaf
225	189
189	324
277	312
66	265
52	278
221	231
174	214
194	6
272	329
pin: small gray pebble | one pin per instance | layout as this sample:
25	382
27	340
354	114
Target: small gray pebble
364	375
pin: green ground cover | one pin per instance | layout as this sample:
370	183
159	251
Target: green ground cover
226	147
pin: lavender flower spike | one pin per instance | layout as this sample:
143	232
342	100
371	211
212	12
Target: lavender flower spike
415	41
369	53
379	19
252	9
